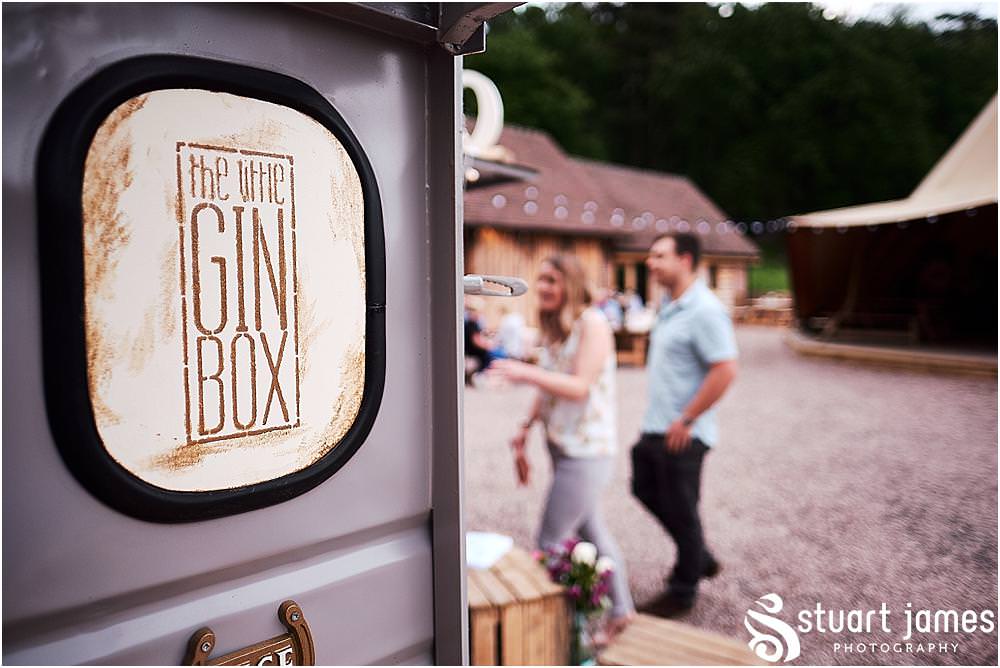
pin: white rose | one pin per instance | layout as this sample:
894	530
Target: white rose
584	553
605	564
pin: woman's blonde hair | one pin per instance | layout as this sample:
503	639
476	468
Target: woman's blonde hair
556	325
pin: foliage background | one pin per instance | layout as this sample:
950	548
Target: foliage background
772	111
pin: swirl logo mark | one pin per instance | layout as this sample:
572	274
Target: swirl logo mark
782	643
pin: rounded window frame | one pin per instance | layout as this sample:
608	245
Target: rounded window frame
59	179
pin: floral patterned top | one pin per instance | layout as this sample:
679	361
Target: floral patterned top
585	428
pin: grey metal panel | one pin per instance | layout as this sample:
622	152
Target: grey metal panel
348	631
447	269
72	562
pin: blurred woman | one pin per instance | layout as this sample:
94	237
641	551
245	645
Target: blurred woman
576	405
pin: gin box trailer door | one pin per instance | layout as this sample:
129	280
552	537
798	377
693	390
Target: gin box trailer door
231	357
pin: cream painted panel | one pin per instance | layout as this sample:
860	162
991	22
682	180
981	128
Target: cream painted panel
225	291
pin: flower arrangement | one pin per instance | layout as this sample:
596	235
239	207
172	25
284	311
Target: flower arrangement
575	565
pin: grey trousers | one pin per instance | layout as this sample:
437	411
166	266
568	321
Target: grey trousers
573	508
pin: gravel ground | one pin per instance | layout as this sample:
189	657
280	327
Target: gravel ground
833	483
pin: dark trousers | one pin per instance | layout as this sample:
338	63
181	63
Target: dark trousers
669	485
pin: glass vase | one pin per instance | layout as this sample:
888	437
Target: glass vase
582	650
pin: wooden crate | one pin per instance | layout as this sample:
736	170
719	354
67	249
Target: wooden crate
517	615
652	641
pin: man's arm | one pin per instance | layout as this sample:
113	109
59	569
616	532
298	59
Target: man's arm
714	343
720	376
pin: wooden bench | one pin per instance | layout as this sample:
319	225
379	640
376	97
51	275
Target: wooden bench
652	641
517	615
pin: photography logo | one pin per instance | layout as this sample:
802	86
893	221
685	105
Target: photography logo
912	630
778	641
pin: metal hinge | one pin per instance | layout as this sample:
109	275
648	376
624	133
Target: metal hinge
506	286
461	25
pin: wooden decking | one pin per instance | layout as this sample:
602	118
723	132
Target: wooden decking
651	641
911	357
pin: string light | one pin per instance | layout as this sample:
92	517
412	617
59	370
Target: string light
648	219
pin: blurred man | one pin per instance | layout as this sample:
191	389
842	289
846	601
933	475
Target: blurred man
692	361
478	345
610	307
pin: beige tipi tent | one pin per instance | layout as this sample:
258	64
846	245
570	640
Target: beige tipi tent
918	269
964	178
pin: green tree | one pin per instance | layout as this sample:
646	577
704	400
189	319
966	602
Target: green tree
772	111
529	67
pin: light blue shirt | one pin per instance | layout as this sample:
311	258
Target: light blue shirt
691	334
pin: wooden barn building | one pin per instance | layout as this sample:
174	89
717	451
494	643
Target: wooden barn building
535	200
